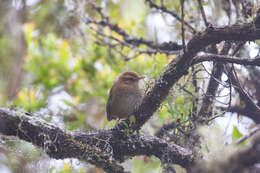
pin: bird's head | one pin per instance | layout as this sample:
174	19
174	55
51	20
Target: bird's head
129	78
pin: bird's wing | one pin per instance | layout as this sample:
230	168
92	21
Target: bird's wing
109	100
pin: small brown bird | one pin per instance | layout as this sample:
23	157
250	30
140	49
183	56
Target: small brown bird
124	96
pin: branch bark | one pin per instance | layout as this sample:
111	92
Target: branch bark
102	148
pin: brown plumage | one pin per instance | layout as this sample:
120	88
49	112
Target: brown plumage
124	96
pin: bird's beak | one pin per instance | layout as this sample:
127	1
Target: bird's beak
141	77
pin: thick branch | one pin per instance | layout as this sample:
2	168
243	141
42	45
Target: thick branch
57	143
179	66
104	148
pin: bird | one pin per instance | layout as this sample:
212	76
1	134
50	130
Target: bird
125	96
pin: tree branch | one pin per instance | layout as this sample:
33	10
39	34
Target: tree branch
165	10
236	109
226	59
127	38
238	162
103	148
213	85
252	110
203	13
250	134
179	66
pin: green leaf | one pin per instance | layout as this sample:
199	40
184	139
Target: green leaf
132	120
236	134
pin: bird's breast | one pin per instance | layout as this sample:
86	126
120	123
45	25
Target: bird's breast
125	101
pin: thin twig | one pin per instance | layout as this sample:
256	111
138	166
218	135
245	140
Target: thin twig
226	59
203	13
182	26
165	10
